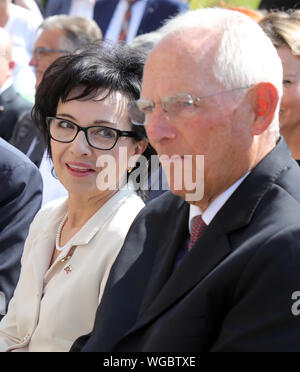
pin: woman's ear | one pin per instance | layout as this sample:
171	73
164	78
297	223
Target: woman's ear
140	147
264	101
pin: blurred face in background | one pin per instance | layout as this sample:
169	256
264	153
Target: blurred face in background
46	50
6	62
290	104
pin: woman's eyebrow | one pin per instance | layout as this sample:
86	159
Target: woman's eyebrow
100	121
66	115
97	121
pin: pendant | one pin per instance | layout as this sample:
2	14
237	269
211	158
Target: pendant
68	269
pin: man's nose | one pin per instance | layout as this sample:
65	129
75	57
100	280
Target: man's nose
159	126
33	61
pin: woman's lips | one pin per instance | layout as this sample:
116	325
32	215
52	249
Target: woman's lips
79	169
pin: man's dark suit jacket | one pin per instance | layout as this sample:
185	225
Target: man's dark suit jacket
232	292
56	7
156	12
28	138
12	105
20	199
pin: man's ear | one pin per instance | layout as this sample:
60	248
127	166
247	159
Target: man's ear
11	65
264	100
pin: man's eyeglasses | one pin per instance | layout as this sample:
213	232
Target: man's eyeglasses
39	51
173	105
100	137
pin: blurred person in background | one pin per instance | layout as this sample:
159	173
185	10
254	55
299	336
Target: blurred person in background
279	4
12	104
31	5
61	35
157	183
83	8
125	19
284	31
22	26
73	241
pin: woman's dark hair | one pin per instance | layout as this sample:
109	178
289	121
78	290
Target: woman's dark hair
111	68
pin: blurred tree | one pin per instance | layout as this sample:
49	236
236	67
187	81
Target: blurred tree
253	4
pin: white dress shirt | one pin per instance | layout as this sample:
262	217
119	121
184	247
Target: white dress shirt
52	307
215	205
53	189
114	27
22	27
82	8
6	85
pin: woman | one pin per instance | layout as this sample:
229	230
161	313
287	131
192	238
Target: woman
81	106
284	31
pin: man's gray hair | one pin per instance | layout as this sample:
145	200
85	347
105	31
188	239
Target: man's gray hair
146	42
245	55
78	31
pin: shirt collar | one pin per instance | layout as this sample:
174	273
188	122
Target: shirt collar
100	218
215	205
6	85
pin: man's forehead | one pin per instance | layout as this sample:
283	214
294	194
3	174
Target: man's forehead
5	43
191	45
185	60
50	38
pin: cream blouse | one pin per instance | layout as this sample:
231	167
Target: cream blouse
52	307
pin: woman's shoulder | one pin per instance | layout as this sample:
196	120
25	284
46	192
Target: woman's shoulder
53	209
130	198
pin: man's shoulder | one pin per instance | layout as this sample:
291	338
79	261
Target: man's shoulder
164	203
11	158
160	211
12	98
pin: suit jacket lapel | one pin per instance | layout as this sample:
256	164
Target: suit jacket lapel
42	249
211	248
43	246
103	13
149	9
7	96
176	232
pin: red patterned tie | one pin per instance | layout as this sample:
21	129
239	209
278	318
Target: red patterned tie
126	20
198	226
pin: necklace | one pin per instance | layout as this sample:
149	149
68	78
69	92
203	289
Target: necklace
60	226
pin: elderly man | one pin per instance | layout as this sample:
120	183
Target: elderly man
221	271
21	24
61	35
12	105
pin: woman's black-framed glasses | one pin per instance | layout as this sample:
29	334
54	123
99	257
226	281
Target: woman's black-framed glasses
100	137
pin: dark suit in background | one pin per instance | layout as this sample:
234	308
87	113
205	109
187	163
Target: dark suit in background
55	7
12	105
28	138
232	292
20	199
279	4
156	12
